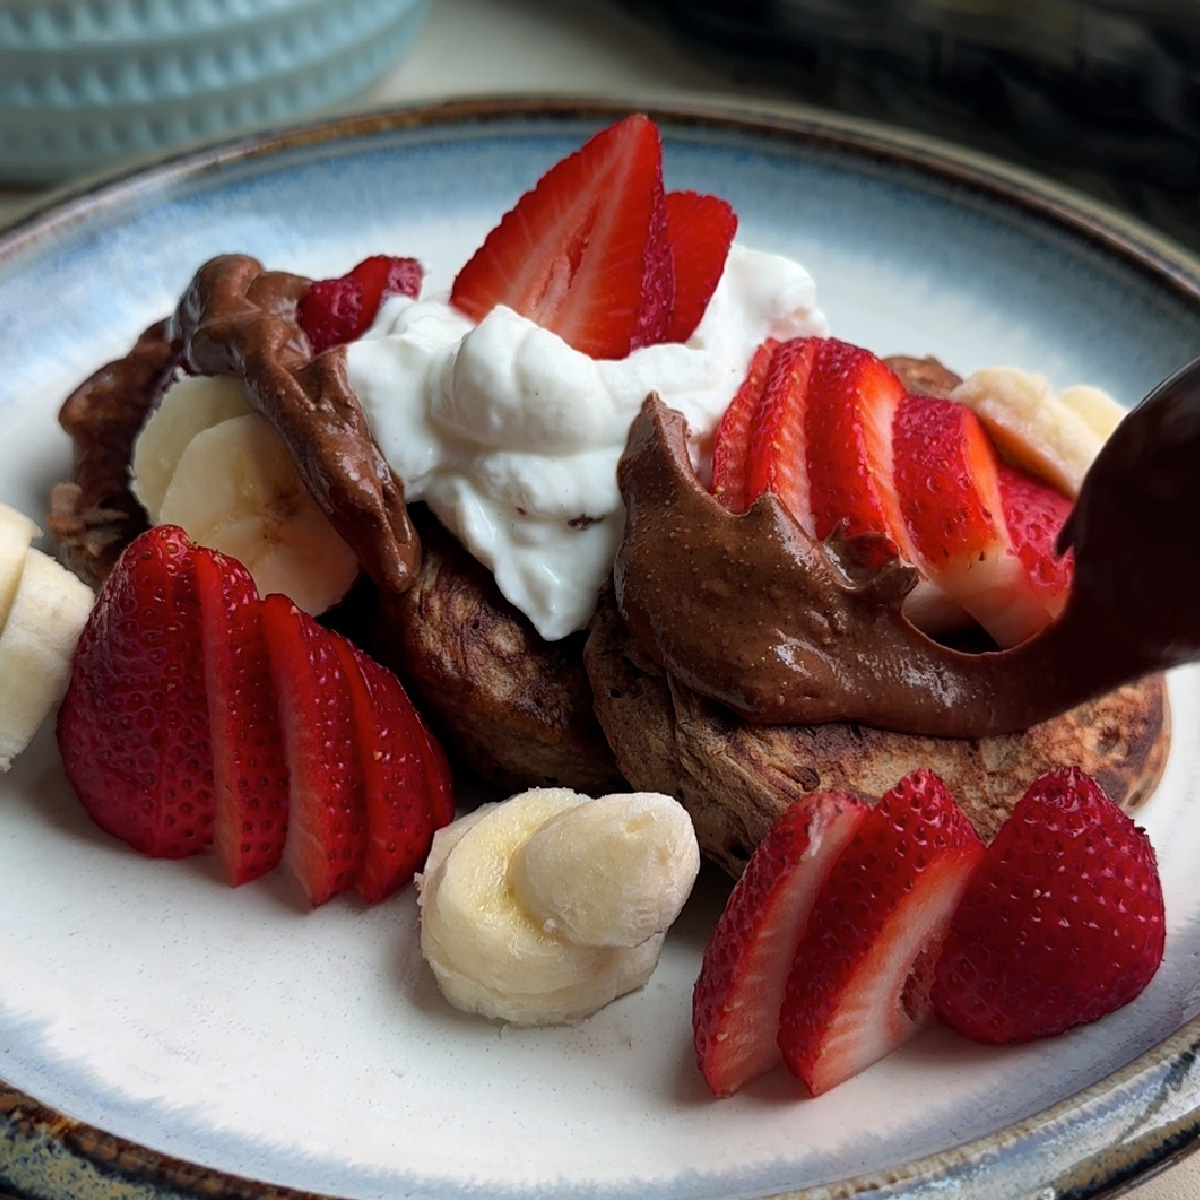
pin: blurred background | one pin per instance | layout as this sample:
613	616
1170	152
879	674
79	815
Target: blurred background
1101	94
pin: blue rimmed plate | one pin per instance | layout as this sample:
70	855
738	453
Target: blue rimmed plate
163	1035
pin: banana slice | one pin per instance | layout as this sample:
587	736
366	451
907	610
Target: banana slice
612	872
1031	426
17	532
488	954
37	643
1095	408
237	490
192	405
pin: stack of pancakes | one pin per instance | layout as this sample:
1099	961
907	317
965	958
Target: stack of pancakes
586	712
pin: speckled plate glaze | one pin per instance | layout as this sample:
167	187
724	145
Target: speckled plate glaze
162	1035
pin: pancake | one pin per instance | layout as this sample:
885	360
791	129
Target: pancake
510	706
736	778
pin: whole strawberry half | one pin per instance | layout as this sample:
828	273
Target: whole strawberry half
736	1000
861	976
1063	923
334	311
133	729
585	253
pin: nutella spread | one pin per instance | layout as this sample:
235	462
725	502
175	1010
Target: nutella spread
237	319
752	612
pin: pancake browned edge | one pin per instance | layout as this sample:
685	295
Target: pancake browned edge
736	778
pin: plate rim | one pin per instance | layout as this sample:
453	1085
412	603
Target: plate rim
1152	1131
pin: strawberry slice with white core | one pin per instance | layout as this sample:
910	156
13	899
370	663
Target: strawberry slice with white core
737	997
851	404
732	439
403	809
585	254
701	230
326	842
777	453
952	488
250	782
1034	513
860	979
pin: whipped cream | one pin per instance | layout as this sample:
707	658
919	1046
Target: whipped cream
512	437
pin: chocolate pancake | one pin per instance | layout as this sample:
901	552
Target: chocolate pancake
514	708
736	778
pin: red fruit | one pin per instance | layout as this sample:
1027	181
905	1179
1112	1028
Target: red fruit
585	254
250	767
982	531
733	432
133	729
736	1000
1062	924
404	806
326	842
701	230
776	454
851	404
334	311
1033	515
859	980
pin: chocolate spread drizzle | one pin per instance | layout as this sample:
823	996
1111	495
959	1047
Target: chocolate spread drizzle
237	319
752	612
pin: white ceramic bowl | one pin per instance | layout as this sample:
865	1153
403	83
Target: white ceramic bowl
84	83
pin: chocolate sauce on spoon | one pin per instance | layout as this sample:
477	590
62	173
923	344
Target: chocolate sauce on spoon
752	612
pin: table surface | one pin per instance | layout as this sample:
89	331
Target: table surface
583	47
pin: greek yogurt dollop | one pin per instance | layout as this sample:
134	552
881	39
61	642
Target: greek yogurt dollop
512	437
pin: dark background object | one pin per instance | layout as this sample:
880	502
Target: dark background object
1104	96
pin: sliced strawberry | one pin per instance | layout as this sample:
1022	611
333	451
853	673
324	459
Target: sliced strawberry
403	810
585	254
1034	513
326	842
1063	923
250	767
859	981
776	455
983	532
852	401
133	728
733	432
334	311
737	997
701	230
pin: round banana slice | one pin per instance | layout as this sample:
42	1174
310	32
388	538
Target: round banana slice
492	957
612	872
190	406
237	490
37	643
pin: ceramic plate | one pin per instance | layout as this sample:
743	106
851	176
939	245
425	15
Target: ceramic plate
162	1034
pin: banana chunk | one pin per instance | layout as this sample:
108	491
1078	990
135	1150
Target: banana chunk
17	532
48	613
491	955
1033	426
236	489
190	406
613	872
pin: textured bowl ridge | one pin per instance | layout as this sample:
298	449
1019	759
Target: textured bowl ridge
85	82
